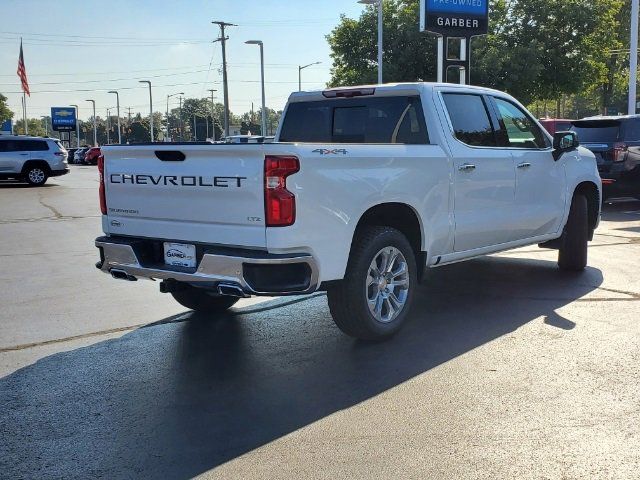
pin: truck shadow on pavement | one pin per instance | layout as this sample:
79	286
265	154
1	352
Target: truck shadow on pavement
177	399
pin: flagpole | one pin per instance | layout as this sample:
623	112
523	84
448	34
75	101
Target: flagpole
24	113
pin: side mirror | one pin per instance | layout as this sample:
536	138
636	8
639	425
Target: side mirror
563	142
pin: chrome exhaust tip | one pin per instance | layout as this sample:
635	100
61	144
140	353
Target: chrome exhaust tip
231	290
122	275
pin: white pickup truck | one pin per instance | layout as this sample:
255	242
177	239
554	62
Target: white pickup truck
361	191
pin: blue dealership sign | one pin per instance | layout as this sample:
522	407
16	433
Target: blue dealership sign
6	127
63	119
455	18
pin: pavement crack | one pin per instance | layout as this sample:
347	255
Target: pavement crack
56	213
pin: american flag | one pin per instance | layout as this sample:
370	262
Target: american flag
22	72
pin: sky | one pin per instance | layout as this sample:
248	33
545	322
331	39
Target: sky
80	49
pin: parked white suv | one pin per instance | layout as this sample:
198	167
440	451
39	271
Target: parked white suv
32	159
363	189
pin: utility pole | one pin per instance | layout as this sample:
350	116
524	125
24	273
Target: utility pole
180	122
129	124
633	59
223	39
213	123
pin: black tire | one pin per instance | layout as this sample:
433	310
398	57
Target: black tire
348	299
203	301
572	255
36	175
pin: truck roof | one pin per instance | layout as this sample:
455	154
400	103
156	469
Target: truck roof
381	90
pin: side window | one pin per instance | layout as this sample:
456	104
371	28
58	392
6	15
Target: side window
34	145
412	129
521	131
4	146
470	119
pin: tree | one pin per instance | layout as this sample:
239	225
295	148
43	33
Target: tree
36	127
535	50
5	113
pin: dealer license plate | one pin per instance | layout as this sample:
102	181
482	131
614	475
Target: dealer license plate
180	254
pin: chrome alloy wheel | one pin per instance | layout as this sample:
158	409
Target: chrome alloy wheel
36	175
387	285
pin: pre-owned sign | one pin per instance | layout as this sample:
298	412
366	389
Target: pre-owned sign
63	119
455	18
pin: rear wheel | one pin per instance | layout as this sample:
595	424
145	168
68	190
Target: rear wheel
374	298
201	300
572	254
36	175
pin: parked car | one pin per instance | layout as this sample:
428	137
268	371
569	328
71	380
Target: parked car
70	153
553	125
615	141
363	189
32	159
91	157
78	157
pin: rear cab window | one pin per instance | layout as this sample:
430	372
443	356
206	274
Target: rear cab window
393	119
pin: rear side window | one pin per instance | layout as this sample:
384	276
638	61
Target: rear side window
632	130
470	119
356	120
592	131
4	146
33	145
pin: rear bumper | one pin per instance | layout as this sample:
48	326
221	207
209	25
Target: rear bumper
255	273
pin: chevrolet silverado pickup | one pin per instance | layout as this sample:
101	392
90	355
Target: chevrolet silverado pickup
362	190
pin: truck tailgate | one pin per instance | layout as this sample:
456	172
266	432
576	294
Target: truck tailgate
198	193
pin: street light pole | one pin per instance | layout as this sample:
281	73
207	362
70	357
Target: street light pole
150	108
633	59
264	108
77	127
108	126
300	68
118	112
180	119
378	3
95	125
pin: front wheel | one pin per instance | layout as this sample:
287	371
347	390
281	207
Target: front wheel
201	300
572	254
374	298
36	176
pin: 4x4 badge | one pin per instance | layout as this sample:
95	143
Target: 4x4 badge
326	151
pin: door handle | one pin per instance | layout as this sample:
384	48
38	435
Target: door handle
524	165
466	167
24	154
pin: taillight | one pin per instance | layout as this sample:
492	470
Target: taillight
103	198
60	154
619	149
279	203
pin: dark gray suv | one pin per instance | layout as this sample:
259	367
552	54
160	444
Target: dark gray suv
615	141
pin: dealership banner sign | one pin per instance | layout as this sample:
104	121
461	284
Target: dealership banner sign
455	18
63	119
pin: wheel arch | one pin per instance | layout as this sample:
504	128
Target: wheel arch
35	162
590	191
404	218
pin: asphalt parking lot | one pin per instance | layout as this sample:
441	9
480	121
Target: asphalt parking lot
508	368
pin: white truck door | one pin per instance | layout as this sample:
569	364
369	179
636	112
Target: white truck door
540	180
484	175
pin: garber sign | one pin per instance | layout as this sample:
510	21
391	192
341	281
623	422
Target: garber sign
455	18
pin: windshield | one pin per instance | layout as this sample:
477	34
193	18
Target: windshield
607	131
